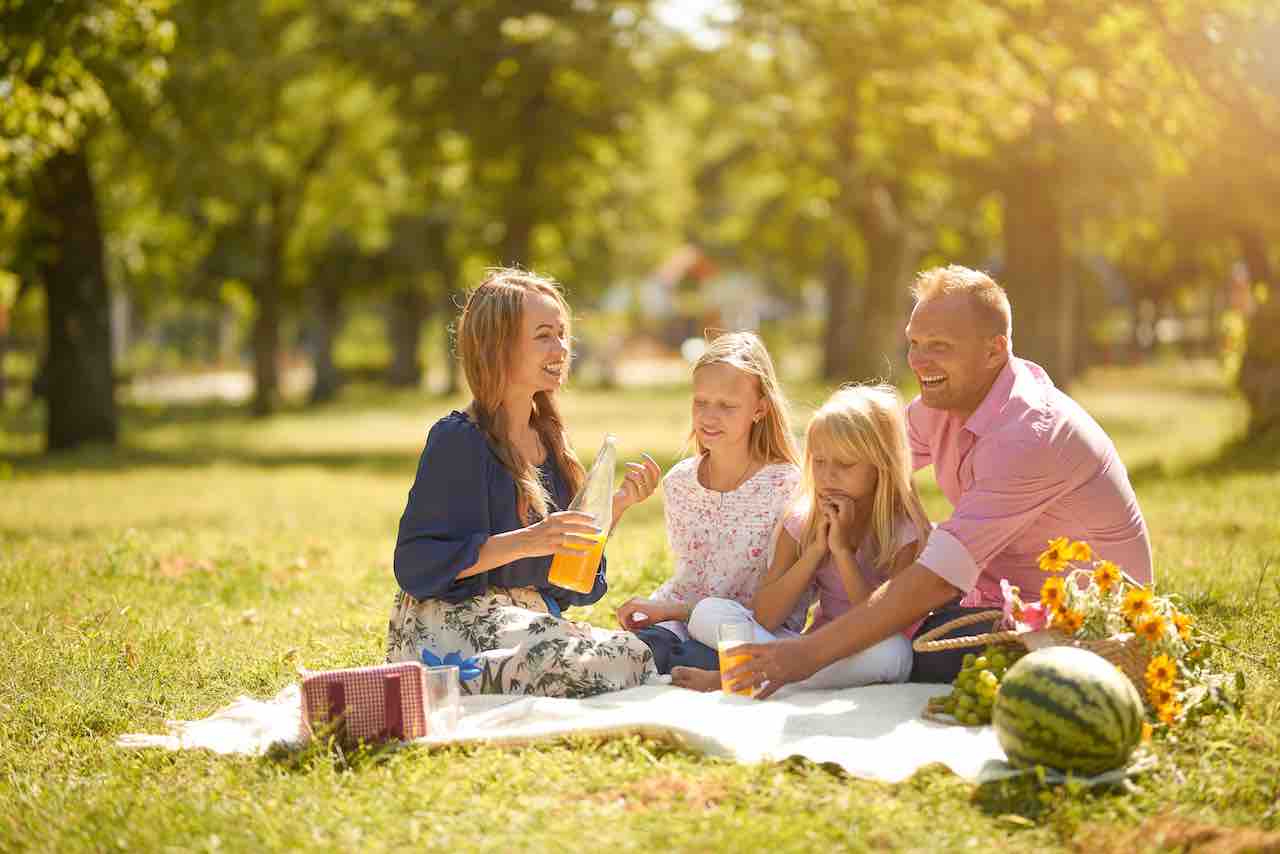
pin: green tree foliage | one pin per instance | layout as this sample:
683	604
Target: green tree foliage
64	69
1227	54
278	152
527	137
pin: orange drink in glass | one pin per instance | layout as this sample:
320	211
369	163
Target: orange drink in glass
730	636
578	571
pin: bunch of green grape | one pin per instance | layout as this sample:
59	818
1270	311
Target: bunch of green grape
974	690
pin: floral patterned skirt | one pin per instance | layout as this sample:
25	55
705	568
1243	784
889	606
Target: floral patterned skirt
518	646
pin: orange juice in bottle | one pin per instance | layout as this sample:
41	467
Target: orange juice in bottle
578	572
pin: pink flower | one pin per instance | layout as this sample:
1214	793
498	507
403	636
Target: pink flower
1035	616
1022	617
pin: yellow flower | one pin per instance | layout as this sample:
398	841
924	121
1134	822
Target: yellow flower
1146	732
1068	620
1106	576
1053	594
1183	624
1169	712
1162	671
1137	602
1160	695
1054	558
1151	628
1079	550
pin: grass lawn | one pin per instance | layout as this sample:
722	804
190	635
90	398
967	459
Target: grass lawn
211	555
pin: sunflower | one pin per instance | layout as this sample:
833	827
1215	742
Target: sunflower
1160	695
1068	620
1169	712
1079	550
1106	576
1151	628
1055	558
1162	671
1137	603
1053	594
1182	623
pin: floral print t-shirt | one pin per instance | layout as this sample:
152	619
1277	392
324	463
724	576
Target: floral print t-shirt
722	541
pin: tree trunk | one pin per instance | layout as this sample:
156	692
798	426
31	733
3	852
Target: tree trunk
451	298
516	240
1034	275
448	315
1259	378
266	322
839	340
79	384
407	312
876	331
328	323
4	345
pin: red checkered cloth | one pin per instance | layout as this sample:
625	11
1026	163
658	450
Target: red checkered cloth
376	703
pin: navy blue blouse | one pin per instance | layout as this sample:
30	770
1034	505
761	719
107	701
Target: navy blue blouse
461	496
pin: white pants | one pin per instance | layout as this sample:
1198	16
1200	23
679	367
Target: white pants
887	661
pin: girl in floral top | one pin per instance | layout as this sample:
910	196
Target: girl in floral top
858	521
723	504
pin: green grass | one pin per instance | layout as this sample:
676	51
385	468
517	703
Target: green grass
212	554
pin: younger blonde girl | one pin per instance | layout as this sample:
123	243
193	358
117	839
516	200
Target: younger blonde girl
858	521
722	504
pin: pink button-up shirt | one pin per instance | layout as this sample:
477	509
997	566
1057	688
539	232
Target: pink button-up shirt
1028	465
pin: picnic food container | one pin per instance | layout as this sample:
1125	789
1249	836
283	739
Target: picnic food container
386	701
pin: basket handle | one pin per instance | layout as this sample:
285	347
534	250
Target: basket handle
928	642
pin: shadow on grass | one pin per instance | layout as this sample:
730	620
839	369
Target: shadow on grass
29	419
106	459
198	454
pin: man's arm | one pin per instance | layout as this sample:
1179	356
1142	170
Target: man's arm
892	607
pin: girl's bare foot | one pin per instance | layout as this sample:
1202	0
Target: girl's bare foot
695	679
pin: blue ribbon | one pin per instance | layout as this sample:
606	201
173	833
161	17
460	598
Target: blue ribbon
468	668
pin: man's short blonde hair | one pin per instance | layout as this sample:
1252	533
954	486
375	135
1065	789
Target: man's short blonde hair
988	299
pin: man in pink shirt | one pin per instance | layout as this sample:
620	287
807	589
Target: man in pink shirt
1021	463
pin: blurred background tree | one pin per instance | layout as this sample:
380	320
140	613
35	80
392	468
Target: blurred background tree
68	70
303	191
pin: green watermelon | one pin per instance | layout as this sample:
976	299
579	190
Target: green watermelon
1068	709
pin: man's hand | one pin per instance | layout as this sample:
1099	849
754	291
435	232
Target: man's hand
777	664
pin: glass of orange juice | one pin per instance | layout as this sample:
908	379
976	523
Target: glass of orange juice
578	571
728	636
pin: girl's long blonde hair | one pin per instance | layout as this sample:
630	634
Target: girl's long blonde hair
867	423
488	330
771	440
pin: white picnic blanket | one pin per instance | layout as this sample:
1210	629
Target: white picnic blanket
874	732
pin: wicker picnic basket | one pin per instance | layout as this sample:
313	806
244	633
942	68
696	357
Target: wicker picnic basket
1125	651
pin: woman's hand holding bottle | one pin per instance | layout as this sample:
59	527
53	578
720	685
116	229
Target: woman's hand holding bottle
569	532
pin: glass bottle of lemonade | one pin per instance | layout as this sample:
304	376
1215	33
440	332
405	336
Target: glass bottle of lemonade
578	572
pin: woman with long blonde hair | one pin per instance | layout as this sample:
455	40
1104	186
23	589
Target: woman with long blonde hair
486	513
722	503
857	521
